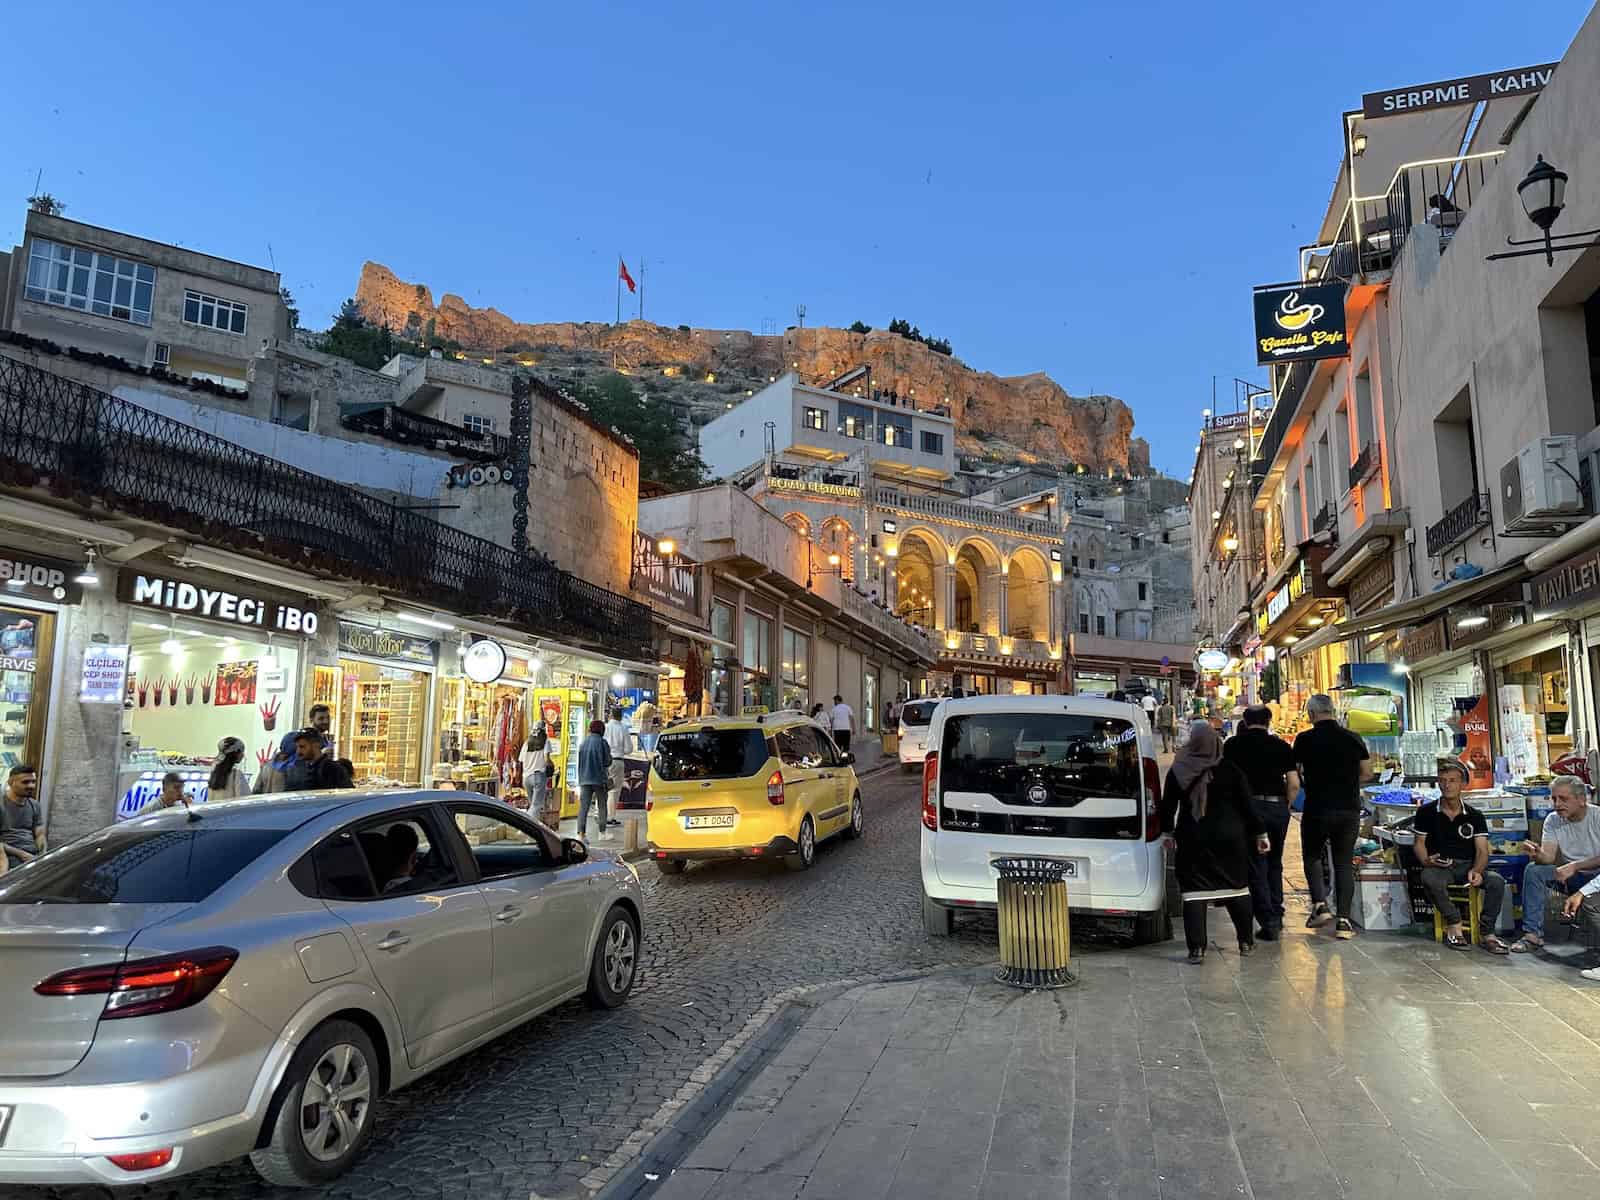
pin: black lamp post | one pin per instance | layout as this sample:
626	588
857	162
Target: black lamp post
1543	192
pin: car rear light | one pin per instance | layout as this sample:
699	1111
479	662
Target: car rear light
1152	800
930	788
148	985
148	1160
775	788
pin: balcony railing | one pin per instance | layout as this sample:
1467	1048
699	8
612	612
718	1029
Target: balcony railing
992	645
413	429
86	444
1458	524
976	514
886	623
1364	463
1326	521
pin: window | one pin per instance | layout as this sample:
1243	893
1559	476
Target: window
855	420
161	863
389	856
711	753
163	356
932	443
476	423
1324	467
1291	517
1456	446
1144	591
504	846
213	312
1100	626
1074	562
722	682
918	713
90	282
894	430
1091	564
1366	429
816	418
757	692
796	663
1341	447
803	746
1083	622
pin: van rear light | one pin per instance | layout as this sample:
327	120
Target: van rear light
147	1160
148	985
775	788
1152	800
930	789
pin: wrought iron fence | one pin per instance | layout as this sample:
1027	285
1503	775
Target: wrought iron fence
87	445
1458	524
411	428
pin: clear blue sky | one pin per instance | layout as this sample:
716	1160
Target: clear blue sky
1086	189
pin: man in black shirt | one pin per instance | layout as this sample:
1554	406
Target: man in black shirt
1333	763
1453	847
1269	764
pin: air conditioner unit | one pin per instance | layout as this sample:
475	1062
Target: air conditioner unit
1540	484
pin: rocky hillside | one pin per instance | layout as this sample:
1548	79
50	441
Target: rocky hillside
1028	418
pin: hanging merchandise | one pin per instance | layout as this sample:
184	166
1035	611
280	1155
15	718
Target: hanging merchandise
694	676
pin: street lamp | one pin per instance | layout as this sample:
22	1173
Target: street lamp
1543	192
666	547
1230	543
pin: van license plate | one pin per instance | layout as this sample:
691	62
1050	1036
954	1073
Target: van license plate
709	821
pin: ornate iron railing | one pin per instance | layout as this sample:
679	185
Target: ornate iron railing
1326	521
85	445
1365	462
411	428
973	514
1458	524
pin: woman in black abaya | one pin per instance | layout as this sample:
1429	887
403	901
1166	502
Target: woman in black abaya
1206	804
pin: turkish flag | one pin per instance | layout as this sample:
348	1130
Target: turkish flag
622	274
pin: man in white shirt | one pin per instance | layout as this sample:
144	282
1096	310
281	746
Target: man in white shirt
1571	838
619	743
842	721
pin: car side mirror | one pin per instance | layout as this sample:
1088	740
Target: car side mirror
847	758
574	851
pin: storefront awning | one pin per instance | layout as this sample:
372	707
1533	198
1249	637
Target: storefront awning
1410	612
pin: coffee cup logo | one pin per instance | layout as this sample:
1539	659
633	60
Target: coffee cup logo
1293	316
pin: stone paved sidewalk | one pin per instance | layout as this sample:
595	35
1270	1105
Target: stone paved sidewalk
1380	1068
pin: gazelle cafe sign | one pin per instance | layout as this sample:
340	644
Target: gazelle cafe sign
196	600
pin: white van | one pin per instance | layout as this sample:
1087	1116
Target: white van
914	718
1065	777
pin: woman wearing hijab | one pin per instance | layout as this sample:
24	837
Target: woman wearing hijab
1206	803
227	780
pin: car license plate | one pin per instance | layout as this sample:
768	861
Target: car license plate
709	821
5	1122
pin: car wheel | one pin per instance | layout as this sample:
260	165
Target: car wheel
1151	928
671	866
937	920
858	818
324	1117
616	961
802	858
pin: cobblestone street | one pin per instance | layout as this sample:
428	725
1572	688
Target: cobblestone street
538	1110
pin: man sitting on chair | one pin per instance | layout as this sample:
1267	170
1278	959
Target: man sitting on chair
1571	838
1453	848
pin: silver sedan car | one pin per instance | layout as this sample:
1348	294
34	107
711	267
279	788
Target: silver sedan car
183	990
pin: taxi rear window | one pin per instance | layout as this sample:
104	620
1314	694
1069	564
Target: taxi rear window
711	753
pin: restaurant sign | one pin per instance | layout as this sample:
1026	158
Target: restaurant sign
1467	89
673	581
1374	584
385	643
1300	321
254	610
1573	584
1424	642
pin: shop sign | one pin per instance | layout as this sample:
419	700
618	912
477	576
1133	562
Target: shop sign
1374	584
1230	421
1573	584
39	578
843	491
385	643
1297	322
105	675
195	600
1424	642
1211	660
1502	616
484	661
1446	93
675	583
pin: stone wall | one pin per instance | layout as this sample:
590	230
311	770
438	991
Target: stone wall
583	497
81	778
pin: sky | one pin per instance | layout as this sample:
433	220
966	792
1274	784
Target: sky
1087	189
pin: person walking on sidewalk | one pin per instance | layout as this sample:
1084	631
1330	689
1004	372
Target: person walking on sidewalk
1572	836
1167	725
1268	763
1333	765
842	721
535	756
618	743
1206	805
1453	847
594	777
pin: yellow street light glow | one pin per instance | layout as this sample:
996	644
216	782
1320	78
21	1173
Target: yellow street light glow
667	546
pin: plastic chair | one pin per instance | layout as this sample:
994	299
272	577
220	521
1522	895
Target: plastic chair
1472	897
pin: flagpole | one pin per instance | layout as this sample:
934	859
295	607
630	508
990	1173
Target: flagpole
619	290
641	287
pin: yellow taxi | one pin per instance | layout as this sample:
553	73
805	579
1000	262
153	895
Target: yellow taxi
767	786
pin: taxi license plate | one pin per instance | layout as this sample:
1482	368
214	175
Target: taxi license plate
709	821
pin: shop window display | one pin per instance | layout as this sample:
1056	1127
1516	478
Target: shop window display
482	727
1535	725
188	688
26	644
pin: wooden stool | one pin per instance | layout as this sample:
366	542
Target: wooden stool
1472	897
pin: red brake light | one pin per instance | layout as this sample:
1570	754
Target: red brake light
147	985
775	788
1152	800
930	788
149	1160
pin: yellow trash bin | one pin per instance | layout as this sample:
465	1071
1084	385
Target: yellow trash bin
1035	931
